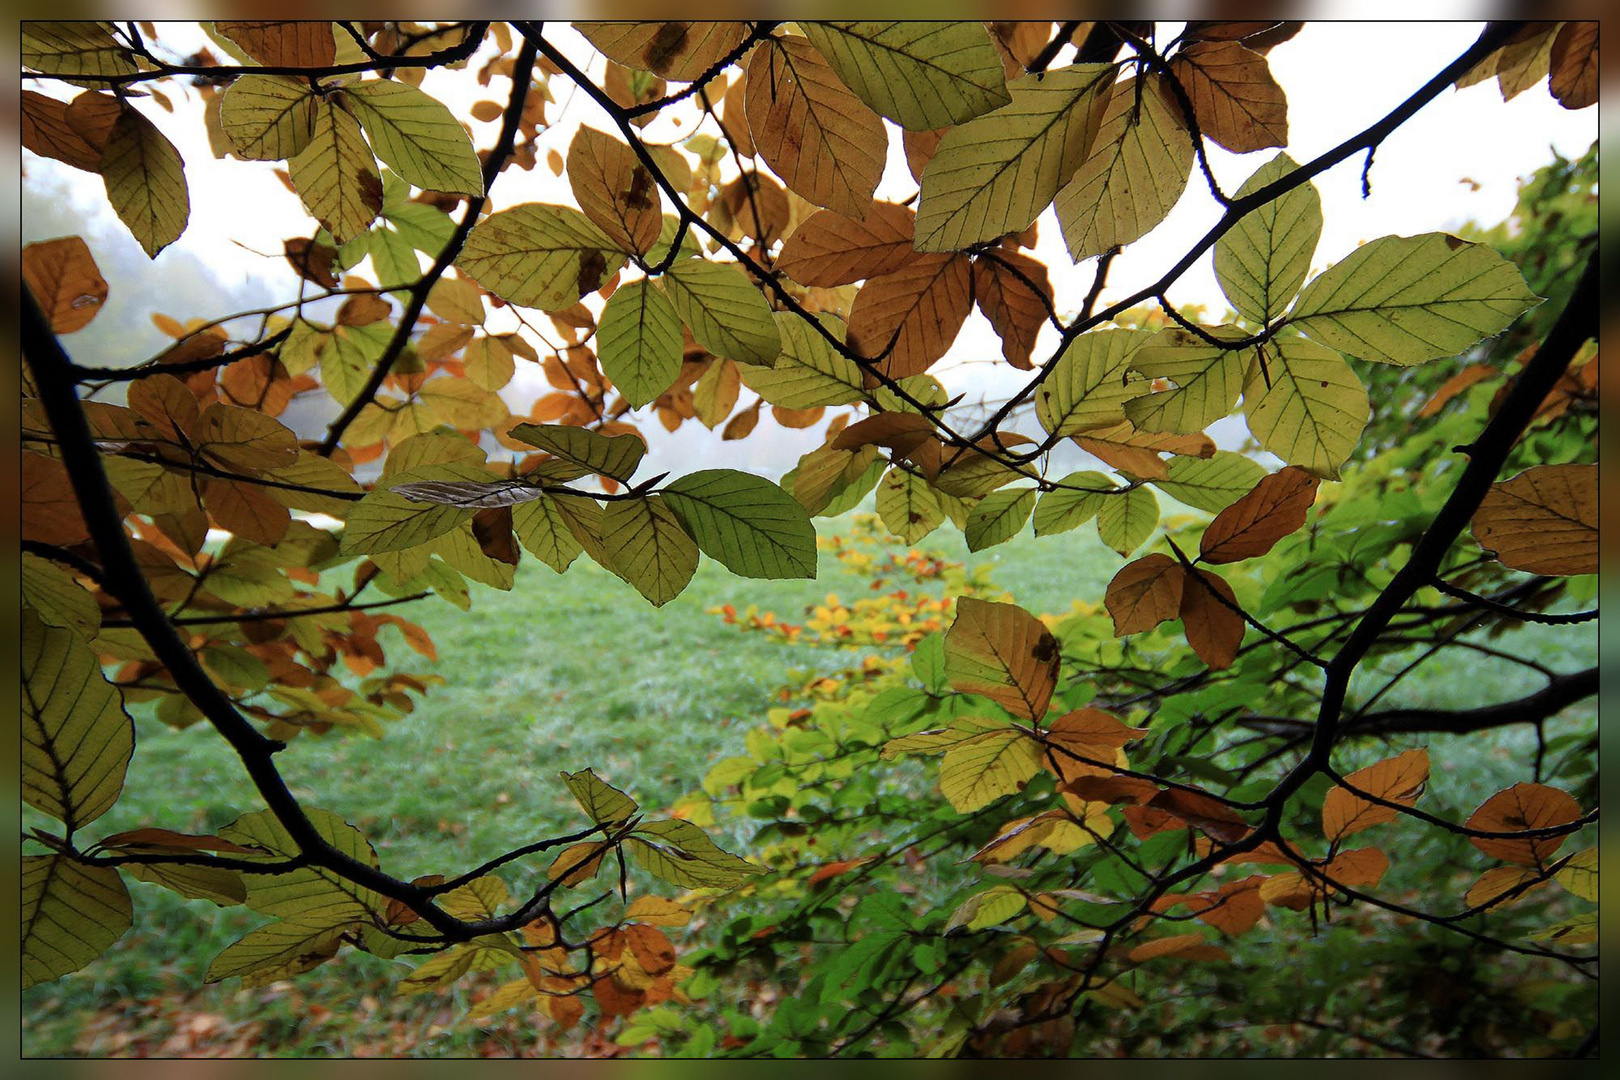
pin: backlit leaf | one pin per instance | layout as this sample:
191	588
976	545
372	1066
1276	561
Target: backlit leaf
675	50
978	771
57	599
1126	521
615	190
605	804
1073	503
829	249
539	255
1002	287
1235	99
1312	413
1207	380
1262	261
269	117
994	174
809	372
994	905
385	521
918	309
146	182
746	523
46	131
1004	653
1090	384
336	176
276	951
416	136
921	75
1210	484
76	738
588	451
1573	79
1580	874
542	529
1543	521
284	44
71	914
682	854
1406	299
998	517
726	314
66	283
818	137
647	545
1135	173
74	48
639	342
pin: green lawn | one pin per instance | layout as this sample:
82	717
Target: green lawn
560	673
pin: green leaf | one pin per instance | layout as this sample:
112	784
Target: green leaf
977	772
994	905
939	740
425	228
605	804
57	598
1207	380
682	854
416	136
539	256
1125	521
1580	874
646	545
543	530
312	896
480	898
224	887
638	340
71	914
276	951
442	969
994	174
1071	505
395	261
1313	412
746	523
1406	299
1212	483
727	315
146	182
384	521
907	506
460	549
1004	653
269	117
1261	262
809	372
921	75
336	176
588	451
76	738
998	517
1090	382
1135	173
74	48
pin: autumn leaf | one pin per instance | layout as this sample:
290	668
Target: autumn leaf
1400	779
1004	653
1523	807
1211	618
1251	526
1544	520
1145	593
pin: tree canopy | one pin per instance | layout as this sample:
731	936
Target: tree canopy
220	534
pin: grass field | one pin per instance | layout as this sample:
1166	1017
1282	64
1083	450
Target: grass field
561	673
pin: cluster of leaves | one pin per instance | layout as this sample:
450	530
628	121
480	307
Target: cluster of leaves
754	252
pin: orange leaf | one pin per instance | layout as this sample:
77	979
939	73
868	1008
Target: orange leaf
1181	946
1204	812
1498	881
1543	521
1249	527
1521	807
829	249
920	307
1214	629
65	281
1455	385
1363	866
1004	653
1398	779
1145	593
1016	311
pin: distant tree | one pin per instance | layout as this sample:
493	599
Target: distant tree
1161	770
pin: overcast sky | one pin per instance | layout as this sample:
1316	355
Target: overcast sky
1458	160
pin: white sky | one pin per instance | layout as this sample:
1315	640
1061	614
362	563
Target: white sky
1339	77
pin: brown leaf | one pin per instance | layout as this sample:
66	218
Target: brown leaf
1015	311
919	307
742	425
1543	521
1455	385
1522	807
1235	100
1361	867
46	131
363	310
1214	630
1004	653
901	432
93	115
675	50
1111	789
747	193
829	249
1575	70
1399	779
50	513
246	510
1122	447
733	115
1498	881
1181	947
615	190
1204	812
822	140
312	261
1145	593
492	528
920	147
65	282
797	418
164	401
1275	507
1234	908
284	44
